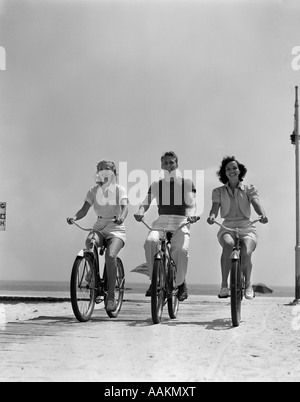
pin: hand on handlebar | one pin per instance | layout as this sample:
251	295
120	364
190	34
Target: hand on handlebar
211	220
70	221
119	221
138	217
264	220
193	219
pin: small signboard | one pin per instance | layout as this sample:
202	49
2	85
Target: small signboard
2	216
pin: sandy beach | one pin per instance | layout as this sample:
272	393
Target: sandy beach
43	342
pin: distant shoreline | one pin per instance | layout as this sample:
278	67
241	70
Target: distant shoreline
61	289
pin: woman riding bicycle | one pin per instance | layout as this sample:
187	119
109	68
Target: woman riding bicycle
235	200
110	201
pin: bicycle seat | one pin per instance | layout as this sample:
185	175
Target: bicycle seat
169	236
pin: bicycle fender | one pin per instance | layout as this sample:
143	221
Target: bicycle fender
159	256
81	253
235	255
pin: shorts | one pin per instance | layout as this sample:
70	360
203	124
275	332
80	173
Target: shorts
111	230
249	233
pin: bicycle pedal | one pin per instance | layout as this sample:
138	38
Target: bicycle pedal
99	300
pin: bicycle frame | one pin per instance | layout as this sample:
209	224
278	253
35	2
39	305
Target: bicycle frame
93	248
163	281
237	279
98	286
165	242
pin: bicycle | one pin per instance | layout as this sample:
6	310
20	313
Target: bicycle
237	280
88	287
163	284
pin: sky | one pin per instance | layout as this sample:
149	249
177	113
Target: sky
127	80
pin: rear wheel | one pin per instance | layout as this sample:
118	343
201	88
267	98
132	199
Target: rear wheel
236	291
173	302
119	288
157	291
83	287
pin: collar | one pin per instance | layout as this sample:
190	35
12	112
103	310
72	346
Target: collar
175	174
111	188
241	186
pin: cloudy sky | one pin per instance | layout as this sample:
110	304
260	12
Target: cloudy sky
127	80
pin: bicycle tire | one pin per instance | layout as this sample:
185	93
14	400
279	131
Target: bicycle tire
157	291
119	288
83	287
173	302
236	292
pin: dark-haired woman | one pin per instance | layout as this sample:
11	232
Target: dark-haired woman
234	199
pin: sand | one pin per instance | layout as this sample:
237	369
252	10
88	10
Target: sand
43	342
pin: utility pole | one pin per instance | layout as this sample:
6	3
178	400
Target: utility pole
295	141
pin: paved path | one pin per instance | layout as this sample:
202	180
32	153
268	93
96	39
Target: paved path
200	345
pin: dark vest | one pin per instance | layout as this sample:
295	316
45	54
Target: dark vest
172	198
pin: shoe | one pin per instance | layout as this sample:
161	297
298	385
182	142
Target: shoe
149	291
182	292
111	305
224	293
249	293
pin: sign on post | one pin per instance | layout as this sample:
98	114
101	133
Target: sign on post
2	216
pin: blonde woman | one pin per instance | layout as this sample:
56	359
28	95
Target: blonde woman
110	201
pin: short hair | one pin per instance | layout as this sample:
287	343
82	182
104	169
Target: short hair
110	164
169	153
222	171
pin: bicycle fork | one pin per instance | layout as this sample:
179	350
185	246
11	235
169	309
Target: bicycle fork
236	256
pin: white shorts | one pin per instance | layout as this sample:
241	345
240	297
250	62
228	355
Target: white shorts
249	233
111	230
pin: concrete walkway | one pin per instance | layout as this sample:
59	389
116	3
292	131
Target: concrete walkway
199	346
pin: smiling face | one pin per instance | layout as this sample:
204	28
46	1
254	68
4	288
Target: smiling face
232	171
169	163
105	173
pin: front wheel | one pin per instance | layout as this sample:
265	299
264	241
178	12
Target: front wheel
83	287
157	291
119	288
173	302
236	292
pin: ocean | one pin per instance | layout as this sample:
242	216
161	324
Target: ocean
61	289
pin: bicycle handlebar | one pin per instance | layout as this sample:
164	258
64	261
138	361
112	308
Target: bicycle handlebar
235	229
161	229
90	229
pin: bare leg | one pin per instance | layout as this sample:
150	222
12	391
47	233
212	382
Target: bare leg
247	249
227	244
113	249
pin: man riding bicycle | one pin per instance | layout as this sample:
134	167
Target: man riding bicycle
175	197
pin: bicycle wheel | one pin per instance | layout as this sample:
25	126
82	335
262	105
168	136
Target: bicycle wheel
236	292
173	302
157	291
119	289
83	287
